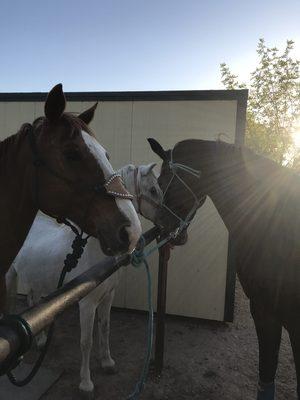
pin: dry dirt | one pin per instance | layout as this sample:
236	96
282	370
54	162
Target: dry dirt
203	360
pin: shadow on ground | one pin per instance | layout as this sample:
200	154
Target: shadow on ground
203	361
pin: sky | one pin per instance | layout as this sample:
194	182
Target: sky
122	45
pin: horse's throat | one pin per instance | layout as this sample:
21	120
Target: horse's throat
231	196
17	209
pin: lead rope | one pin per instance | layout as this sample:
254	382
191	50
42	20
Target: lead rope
70	262
139	257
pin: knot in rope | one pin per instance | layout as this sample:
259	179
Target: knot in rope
71	259
138	255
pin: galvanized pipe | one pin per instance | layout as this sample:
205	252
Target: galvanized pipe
43	314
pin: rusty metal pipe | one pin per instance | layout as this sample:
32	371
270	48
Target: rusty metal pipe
43	314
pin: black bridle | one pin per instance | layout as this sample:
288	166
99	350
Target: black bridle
174	167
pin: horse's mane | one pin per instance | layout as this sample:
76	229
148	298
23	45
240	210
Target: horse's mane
15	139
69	118
263	169
260	168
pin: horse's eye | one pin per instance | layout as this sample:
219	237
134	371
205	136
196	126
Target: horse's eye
153	191
72	155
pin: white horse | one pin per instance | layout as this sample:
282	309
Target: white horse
39	263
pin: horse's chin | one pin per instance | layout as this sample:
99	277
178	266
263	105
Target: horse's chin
106	250
110	250
180	240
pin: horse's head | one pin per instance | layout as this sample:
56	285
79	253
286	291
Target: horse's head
182	187
142	182
73	177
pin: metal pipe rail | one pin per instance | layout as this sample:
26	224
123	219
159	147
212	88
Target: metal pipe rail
43	314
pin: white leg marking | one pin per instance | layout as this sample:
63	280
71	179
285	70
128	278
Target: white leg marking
87	316
103	311
40	339
134	230
12	289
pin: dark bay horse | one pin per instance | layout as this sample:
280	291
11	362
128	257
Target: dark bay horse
56	165
259	203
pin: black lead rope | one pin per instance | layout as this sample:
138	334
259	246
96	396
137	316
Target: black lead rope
72	258
70	263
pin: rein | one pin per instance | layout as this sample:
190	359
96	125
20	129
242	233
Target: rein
174	167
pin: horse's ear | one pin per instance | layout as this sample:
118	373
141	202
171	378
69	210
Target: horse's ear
157	148
146	169
55	103
88	115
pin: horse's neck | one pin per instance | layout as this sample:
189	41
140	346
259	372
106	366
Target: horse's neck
17	210
236	194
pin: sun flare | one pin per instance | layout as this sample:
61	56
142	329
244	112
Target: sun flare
296	134
296	137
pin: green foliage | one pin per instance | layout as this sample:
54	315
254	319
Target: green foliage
274	103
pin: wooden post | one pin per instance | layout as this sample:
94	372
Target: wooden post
164	255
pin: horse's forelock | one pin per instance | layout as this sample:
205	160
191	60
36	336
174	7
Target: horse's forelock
77	123
70	119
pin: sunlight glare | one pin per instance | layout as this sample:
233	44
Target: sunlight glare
296	138
296	134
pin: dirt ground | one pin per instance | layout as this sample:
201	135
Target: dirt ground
203	360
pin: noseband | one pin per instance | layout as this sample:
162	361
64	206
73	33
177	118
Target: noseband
140	197
113	186
174	167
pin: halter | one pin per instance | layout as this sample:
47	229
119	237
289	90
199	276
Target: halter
140	197
113	186
174	167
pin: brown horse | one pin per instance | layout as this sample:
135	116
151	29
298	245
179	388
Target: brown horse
56	165
259	202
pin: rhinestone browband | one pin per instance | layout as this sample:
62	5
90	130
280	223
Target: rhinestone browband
115	187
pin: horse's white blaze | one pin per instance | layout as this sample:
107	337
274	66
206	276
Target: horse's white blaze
135	229
125	206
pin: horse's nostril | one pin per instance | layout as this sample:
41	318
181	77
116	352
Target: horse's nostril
123	235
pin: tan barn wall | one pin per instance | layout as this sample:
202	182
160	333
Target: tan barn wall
198	273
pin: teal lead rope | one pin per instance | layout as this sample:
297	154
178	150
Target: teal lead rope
139	257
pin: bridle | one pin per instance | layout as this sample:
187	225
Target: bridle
140	197
174	167
113	186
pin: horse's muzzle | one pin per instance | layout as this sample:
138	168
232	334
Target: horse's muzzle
118	244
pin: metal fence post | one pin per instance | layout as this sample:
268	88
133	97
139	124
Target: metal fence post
164	255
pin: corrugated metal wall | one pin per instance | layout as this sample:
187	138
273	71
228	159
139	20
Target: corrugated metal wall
197	271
